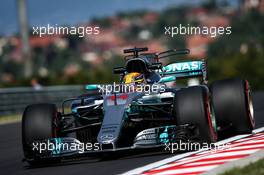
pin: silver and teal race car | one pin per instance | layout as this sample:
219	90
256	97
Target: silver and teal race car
146	110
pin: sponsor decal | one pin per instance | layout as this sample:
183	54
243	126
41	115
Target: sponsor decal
107	137
184	66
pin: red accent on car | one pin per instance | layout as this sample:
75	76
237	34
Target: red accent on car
123	96
112	97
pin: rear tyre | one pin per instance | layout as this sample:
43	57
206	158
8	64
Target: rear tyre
192	106
233	105
39	122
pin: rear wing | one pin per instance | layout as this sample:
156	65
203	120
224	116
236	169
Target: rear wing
186	69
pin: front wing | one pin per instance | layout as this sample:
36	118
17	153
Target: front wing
152	139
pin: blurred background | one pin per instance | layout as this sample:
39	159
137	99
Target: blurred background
27	60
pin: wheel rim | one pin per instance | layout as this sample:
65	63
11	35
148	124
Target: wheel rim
250	107
211	119
55	124
212	115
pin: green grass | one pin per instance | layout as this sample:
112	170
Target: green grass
256	168
10	118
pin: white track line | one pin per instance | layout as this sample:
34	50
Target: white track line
142	169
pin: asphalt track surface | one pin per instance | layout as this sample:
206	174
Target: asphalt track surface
11	153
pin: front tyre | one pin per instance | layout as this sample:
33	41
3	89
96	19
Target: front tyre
39	122
192	106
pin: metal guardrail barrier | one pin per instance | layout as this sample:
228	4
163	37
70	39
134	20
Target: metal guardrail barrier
14	100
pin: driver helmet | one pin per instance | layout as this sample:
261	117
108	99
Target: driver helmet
134	77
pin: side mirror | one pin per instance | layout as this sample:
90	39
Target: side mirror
119	70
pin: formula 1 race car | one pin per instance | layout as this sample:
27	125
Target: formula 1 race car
142	111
